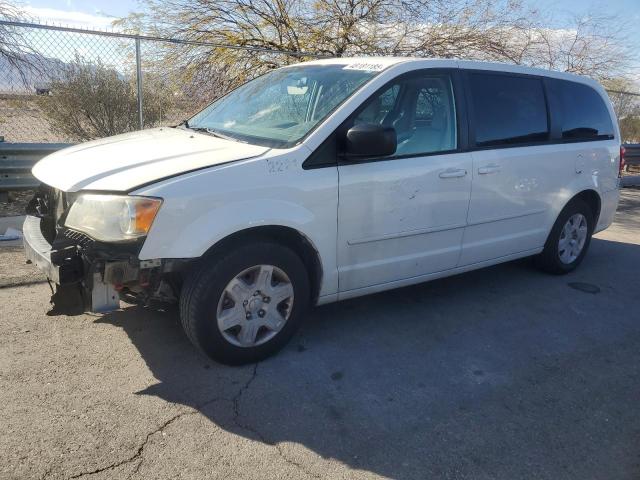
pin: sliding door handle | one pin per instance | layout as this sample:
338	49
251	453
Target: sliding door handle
487	169
452	173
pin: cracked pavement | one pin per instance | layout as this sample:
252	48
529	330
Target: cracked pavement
500	373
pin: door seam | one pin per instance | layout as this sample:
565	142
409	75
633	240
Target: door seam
464	231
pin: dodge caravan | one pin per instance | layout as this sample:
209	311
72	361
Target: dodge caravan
323	181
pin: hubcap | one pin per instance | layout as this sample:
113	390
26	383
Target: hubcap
572	238
255	306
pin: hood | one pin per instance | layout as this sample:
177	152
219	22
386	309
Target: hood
124	162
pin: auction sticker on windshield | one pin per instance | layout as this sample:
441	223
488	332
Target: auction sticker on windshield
369	67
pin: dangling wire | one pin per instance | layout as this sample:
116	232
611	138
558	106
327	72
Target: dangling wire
52	291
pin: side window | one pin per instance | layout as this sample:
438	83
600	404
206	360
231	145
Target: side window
429	102
508	109
422	111
583	113
379	107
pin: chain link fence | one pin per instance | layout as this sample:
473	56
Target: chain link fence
65	85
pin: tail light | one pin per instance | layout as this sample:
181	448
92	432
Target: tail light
622	162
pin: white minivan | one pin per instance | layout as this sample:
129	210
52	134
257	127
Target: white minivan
323	181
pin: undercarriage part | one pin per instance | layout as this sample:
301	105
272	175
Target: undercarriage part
67	300
69	263
153	263
127	296
157	286
165	292
119	273
98	285
79	297
104	298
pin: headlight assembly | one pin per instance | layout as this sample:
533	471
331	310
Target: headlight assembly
113	218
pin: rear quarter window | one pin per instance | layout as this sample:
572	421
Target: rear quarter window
582	112
508	110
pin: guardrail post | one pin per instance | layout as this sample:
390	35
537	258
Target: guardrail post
139	83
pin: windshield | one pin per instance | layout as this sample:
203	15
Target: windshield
279	108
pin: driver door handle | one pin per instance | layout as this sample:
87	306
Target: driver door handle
453	173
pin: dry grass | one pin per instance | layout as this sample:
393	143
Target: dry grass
17	204
21	121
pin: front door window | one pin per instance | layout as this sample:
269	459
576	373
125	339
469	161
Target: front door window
421	110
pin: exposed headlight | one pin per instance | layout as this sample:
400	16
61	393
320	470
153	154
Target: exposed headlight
113	218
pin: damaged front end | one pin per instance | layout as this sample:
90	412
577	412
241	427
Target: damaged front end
92	275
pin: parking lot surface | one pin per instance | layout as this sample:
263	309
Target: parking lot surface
502	373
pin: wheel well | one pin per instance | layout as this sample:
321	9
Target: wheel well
285	236
591	198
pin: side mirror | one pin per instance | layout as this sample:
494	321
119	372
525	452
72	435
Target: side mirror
370	140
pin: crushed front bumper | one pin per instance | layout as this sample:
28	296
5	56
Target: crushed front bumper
93	276
37	249
78	287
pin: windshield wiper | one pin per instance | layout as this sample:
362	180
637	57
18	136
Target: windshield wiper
215	133
210	131
182	124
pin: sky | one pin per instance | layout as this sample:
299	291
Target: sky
86	13
100	13
96	13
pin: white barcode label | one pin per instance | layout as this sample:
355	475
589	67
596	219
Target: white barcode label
369	67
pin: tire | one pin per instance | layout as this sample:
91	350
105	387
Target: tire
206	297
554	259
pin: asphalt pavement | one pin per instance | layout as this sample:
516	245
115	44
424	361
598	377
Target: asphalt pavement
502	373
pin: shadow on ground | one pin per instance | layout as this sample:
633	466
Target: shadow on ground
498	373
628	213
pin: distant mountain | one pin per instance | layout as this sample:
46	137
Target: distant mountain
34	72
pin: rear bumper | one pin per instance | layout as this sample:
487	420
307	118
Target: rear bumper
608	207
37	249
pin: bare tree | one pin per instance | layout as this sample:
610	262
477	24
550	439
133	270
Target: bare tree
14	48
502	30
625	97
592	45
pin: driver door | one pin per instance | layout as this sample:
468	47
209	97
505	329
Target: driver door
402	217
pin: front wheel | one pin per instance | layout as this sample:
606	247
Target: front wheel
569	239
246	303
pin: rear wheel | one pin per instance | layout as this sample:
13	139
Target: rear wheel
569	239
245	304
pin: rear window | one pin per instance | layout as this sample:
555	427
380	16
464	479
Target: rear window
583	113
508	110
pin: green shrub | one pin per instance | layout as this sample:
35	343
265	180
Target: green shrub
89	100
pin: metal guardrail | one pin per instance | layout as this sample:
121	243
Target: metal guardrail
16	161
632	153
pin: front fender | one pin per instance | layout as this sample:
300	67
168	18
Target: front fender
201	208
195	236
